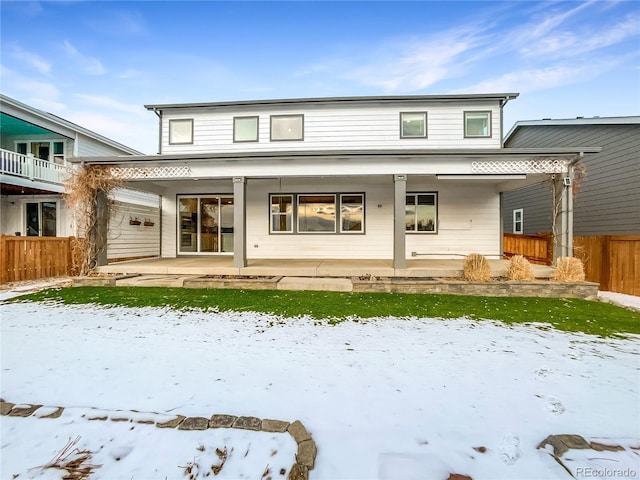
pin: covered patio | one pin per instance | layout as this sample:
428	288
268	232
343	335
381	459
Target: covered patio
223	265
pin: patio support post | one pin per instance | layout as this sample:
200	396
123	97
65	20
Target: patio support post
561	240
100	233
399	203
239	222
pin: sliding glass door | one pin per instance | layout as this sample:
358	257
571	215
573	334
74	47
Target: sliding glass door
205	224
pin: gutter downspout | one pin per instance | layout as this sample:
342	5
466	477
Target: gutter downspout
159	114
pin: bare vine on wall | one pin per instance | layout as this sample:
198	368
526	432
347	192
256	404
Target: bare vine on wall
83	191
558	192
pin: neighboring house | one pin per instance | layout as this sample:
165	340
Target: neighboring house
391	177
35	152
607	201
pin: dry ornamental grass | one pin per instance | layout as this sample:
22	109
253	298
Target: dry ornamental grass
519	269
476	268
569	269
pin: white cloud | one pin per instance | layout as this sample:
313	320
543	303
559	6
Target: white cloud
31	59
36	93
90	65
535	79
406	64
572	43
104	101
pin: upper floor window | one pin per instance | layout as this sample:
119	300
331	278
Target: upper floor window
413	125
287	127
245	129
477	124
518	221
47	150
181	131
421	212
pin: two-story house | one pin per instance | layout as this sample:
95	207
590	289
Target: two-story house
387	178
36	148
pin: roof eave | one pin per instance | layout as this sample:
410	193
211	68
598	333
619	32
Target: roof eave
507	152
505	97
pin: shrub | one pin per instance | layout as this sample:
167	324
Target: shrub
519	269
569	269
476	268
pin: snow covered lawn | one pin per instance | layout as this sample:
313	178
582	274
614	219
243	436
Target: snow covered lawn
384	398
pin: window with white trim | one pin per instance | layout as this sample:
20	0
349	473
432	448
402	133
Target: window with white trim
181	131
41	219
518	221
421	213
477	124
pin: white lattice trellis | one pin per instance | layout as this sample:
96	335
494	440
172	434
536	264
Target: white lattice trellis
520	166
136	173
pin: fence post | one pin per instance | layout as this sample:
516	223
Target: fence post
605	265
4	273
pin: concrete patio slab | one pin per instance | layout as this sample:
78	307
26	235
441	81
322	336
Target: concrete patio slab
223	265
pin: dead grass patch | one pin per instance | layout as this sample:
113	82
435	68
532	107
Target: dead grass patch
519	269
76	462
569	269
476	268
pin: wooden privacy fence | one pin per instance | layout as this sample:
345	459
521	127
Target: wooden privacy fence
30	258
535	248
613	261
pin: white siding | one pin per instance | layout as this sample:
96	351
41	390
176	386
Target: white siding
468	218
336	128
377	242
131	241
13	214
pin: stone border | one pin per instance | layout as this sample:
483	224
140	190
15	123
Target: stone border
305	456
249	282
507	288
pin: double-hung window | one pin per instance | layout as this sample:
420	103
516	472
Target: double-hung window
281	214
421	213
518	221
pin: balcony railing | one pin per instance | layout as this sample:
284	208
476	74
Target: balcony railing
27	166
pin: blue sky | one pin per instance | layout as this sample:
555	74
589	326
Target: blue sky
98	63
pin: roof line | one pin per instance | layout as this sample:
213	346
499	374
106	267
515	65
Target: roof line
322	100
340	153
66	123
620	120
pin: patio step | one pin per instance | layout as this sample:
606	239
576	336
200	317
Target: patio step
316	283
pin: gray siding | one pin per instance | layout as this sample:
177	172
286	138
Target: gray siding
535	202
608	198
